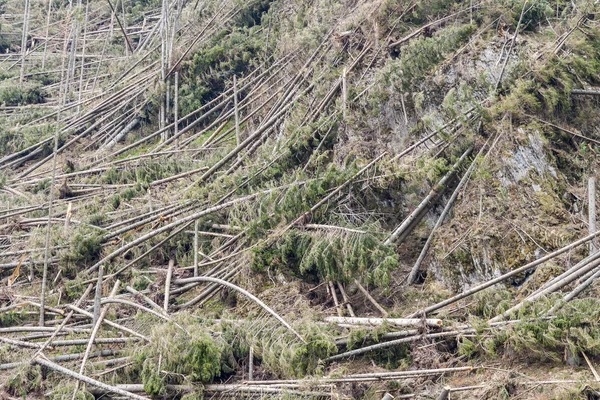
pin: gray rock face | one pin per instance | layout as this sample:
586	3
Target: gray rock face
526	159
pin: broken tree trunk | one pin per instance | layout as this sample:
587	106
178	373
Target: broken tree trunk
507	275
431	322
592	211
415	270
97	325
168	283
560	284
585	92
371	299
410	222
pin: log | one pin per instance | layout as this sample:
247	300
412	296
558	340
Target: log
586	92
373	376
444	394
385	336
580	288
346	300
98	295
221	388
463	181
396	342
512	43
507	275
430	322
85	294
168	284
147	299
196	248
119	136
112	389
107	322
410	222
592	211
61	358
370	298
548	290
568	272
335	299
251	364
97	323
189	219
138	306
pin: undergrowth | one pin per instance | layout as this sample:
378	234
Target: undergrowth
536	336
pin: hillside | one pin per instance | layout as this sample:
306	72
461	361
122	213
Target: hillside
333	199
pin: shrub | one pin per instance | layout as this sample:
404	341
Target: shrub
17	96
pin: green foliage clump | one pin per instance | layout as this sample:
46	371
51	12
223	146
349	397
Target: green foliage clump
20	96
11	318
41	186
287	357
303	142
432	169
229	54
136	10
419	14
74	288
280	208
13	140
84	248
458	101
491	302
196	395
140	283
535	13
549	91
318	256
252	13
390	358
419	57
96	219
143	173
187	352
28	379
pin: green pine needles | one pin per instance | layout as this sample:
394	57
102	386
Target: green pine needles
323	256
176	355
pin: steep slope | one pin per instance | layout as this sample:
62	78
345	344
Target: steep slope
202	196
